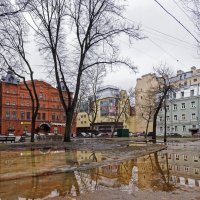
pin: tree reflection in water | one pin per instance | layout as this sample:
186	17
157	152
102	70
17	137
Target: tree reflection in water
166	186
151	172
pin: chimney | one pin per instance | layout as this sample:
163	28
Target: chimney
179	72
194	70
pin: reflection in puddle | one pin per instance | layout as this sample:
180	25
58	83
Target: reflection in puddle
44	173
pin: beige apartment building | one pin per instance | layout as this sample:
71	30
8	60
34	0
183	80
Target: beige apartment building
143	101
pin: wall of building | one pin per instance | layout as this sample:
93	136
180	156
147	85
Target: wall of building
110	106
16	108
183	112
142	101
180	120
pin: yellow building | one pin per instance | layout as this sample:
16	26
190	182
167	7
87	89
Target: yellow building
113	107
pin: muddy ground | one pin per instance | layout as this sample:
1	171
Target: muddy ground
138	195
125	148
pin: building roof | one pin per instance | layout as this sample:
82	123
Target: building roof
10	78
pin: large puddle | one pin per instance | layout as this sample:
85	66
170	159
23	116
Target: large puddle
44	173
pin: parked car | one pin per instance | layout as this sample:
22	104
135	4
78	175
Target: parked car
140	134
131	134
115	133
103	135
196	135
176	135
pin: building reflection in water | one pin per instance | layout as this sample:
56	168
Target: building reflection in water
41	174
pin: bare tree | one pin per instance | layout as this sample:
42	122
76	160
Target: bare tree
7	8
163	77
147	108
121	110
94	79
94	26
13	56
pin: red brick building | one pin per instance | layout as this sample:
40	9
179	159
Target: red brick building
15	107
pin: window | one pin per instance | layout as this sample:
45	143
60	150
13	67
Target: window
43	116
193	116
53	116
175	128
195	158
170	167
38	116
28	115
185	83
196	170
195	80
183	117
174	95
167	107
22	115
191	93
168	128
161	129
41	96
7	114
193	104
184	128
183	106
7	103
168	118
175	117
175	107
186	169
185	157
161	119
177	156
182	94
14	115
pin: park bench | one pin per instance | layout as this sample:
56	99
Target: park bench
7	139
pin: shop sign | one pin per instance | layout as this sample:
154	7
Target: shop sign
25	123
57	124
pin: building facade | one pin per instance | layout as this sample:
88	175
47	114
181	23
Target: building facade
143	101
183	112
111	103
15	107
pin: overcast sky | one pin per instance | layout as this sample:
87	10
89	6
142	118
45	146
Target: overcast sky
167	41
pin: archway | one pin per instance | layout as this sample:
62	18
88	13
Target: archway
44	128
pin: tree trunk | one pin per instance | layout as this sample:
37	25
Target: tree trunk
69	120
165	118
